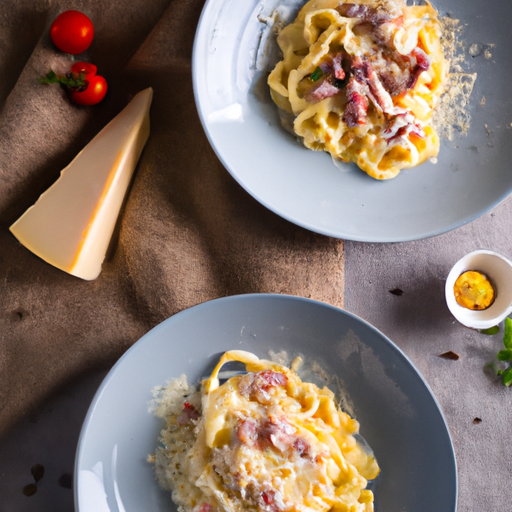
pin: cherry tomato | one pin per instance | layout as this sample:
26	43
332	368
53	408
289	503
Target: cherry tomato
93	94
72	32
88	69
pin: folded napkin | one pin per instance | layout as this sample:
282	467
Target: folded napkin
188	232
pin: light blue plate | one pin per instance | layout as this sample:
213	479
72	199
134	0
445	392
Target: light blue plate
231	59
399	416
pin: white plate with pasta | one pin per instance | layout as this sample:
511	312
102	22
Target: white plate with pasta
373	380
460	162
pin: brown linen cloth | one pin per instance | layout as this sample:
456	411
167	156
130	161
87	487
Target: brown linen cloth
188	233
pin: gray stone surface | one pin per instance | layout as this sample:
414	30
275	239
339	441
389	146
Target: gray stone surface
419	322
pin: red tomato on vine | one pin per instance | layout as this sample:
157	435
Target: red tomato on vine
86	68
84	86
72	32
96	87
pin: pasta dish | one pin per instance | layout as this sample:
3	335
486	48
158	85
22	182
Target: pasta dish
263	440
361	81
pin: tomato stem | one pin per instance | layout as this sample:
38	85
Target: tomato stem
72	81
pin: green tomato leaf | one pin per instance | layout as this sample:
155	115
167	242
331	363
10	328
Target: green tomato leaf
491	330
50	78
70	80
504	355
317	74
507	335
507	377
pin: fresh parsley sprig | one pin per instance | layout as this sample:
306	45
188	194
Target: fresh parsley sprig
505	356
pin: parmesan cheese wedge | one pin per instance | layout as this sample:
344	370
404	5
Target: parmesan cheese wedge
71	224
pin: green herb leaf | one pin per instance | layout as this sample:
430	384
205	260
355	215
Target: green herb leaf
507	377
491	330
71	81
317	74
49	78
507	335
504	355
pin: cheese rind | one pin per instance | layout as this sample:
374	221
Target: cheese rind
71	224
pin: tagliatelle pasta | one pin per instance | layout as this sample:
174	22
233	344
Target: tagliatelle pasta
261	441
361	81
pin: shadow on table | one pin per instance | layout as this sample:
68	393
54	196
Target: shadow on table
47	438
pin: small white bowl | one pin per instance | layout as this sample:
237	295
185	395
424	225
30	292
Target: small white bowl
499	270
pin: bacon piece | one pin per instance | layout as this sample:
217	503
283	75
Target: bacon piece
383	33
400	128
279	432
322	89
357	69
188	414
384	84
395	84
422	60
269	379
365	75
411	66
379	95
271	500
268	497
364	12
337	66
357	104
334	66
363	84
204	507
248	432
256	386
330	83
422	64
400	133
302	447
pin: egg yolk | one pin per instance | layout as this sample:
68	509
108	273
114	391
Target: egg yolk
473	290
